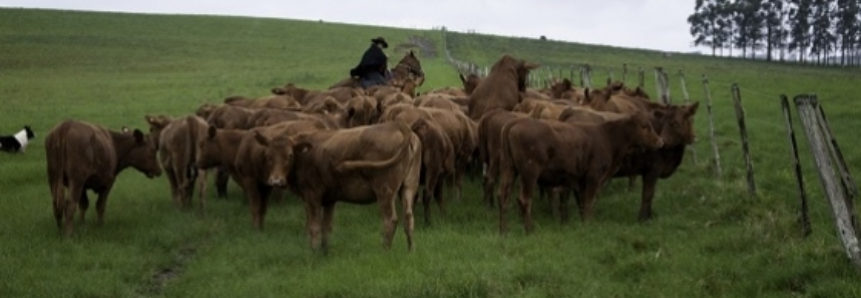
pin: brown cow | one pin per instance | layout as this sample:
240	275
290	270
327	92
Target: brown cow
553	153
177	152
470	82
363	165
489	147
205	110
231	117
306	96
438	154
276	101
501	88
676	125
82	156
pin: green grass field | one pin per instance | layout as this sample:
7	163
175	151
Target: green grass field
710	239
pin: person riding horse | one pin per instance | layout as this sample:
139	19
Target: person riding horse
373	69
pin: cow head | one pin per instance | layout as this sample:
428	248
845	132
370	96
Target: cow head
363	110
559	87
208	149
205	110
523	69
280	155
156	125
470	82
676	122
142	154
644	133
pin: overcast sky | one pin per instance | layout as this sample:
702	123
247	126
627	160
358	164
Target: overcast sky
650	24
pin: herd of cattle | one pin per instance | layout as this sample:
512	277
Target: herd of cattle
348	144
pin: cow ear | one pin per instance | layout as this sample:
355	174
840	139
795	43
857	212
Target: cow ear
302	147
462	78
530	66
261	139
210	132
691	109
139	136
412	54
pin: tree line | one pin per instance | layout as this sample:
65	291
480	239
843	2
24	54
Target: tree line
807	31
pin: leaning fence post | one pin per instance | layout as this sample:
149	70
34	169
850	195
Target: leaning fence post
715	153
641	77
739	114
688	99
845	176
806	106
793	145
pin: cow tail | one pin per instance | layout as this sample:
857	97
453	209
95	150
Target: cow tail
505	158
191	151
362	164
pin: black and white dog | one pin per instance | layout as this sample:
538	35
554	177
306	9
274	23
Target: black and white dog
17	142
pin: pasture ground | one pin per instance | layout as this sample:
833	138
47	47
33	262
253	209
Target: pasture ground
710	239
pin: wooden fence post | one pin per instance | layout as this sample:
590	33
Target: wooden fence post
609	76
641	77
624	73
806	106
804	217
715	153
692	147
571	74
588	78
846	177
739	114
665	86
582	71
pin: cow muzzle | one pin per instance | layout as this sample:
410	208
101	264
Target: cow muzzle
277	181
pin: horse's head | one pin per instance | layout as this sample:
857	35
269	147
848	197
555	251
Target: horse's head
410	66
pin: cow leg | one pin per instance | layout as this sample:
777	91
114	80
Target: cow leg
174	188
506	180
407	195
431	181
386	201
100	206
58	195
649	182
490	176
83	205
265	192
564	196
313	214
632	181
202	188
221	179
588	200
328	215
75	192
252	193
182	183
458	185
527	187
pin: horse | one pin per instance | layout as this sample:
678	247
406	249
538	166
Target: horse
408	67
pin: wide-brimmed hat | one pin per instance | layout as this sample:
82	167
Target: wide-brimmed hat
382	41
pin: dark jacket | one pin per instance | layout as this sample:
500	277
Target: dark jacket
373	60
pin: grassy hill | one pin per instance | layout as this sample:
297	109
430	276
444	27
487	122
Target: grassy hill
709	239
